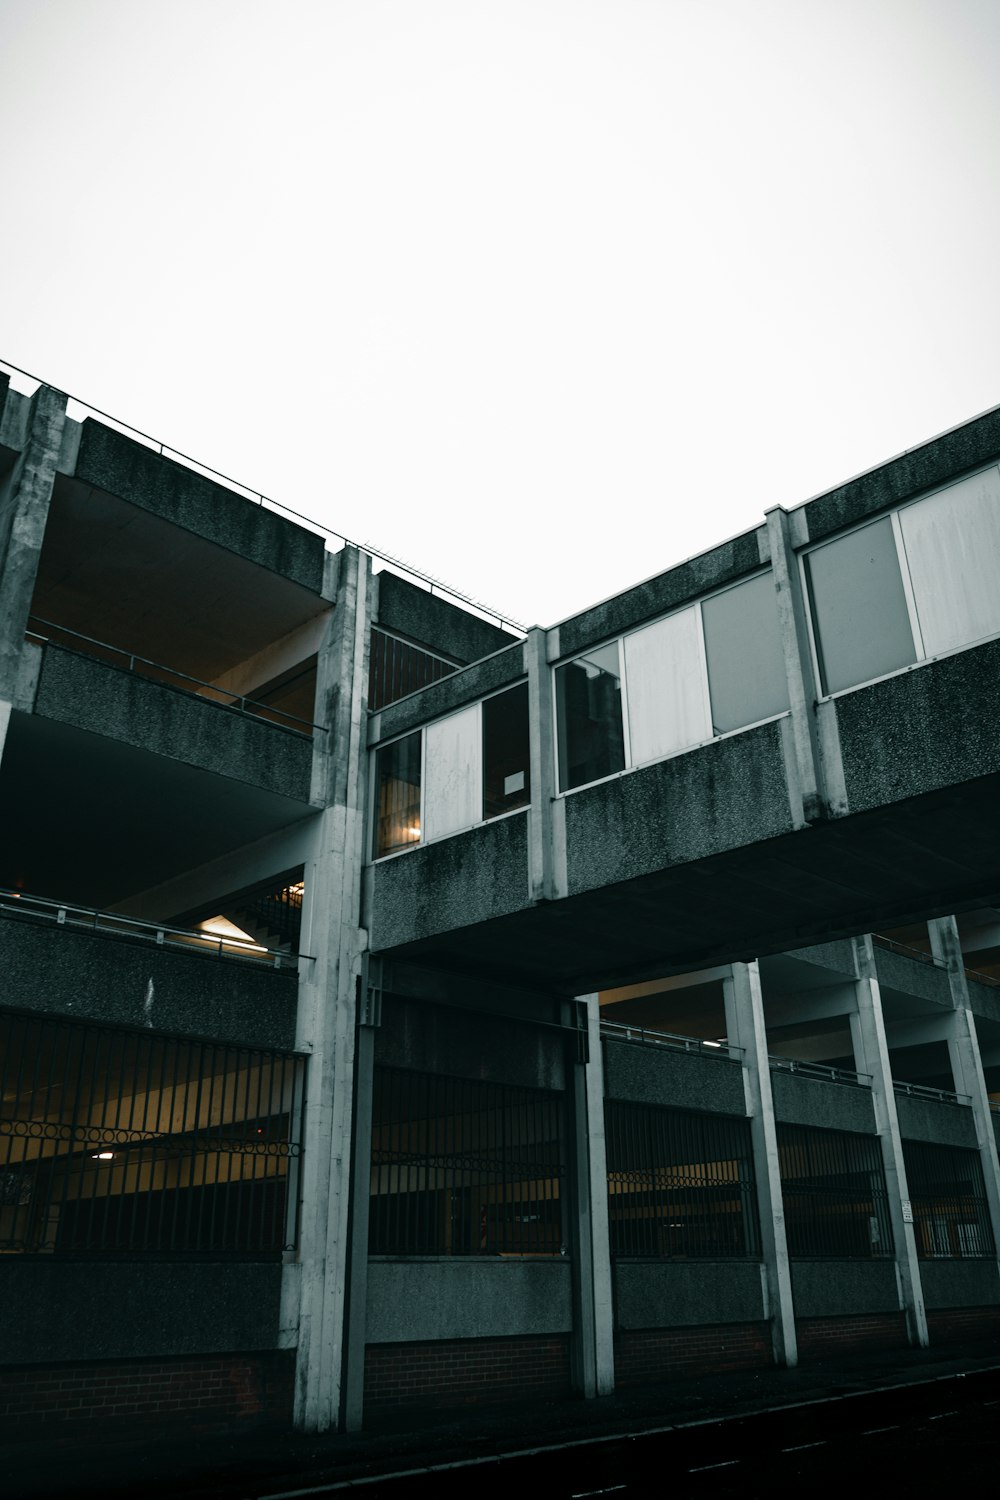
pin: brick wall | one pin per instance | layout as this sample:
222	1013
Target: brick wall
456	1372
824	1338
205	1392
651	1354
960	1324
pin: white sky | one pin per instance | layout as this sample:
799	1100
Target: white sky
540	295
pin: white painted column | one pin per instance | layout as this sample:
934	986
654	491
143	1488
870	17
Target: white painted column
327	1009
593	1319
966	1062
745	1028
871	1054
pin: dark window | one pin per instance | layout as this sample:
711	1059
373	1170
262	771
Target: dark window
121	1142
396	668
680	1184
746	666
589	718
397	795
506	773
461	1167
948	1197
859	608
833	1186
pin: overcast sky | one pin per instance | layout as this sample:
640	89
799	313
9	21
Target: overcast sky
542	297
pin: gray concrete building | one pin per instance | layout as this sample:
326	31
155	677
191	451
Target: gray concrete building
398	1009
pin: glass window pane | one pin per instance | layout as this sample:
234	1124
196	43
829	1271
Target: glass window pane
952	543
746	666
506	775
397	795
453	768
589	718
667	694
859	609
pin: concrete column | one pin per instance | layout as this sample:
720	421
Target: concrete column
872	1057
966	1063
36	426
546	828
593	1357
328	997
745	1028
818	772
369	1019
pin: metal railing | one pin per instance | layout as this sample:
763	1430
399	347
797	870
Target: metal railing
981	978
924	1091
156	671
463	1167
951	1217
120	1142
819	1070
248	492
112	924
834	1194
680	1184
619	1031
918	953
397	668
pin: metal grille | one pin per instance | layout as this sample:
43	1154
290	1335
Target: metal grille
833	1186
680	1184
397	668
948	1198
122	1142
461	1167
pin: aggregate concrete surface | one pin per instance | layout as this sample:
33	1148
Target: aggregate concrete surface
237	1465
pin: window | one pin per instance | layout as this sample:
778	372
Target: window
462	1167
506	752
948	1197
680	1184
121	1142
833	1187
746	665
453	773
589	717
667	698
860	616
397	795
952	542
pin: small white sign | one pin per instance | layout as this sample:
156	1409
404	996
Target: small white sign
513	783
907	1212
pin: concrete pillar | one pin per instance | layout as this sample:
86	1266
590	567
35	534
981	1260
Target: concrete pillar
547	826
36	426
815	770
871	1054
966	1063
745	1028
593	1357
327	1007
369	1019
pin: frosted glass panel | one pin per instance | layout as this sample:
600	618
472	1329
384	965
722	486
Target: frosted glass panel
859	608
453	758
746	667
667	691
952	542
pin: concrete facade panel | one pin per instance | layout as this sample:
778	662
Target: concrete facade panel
126	982
683	1080
118	464
461	880
722	796
66	1310
430	621
922	730
452	692
466	1299
935	1121
670	1294
960	1283
934	463
800	1100
699	575
912	977
829	1288
105	700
